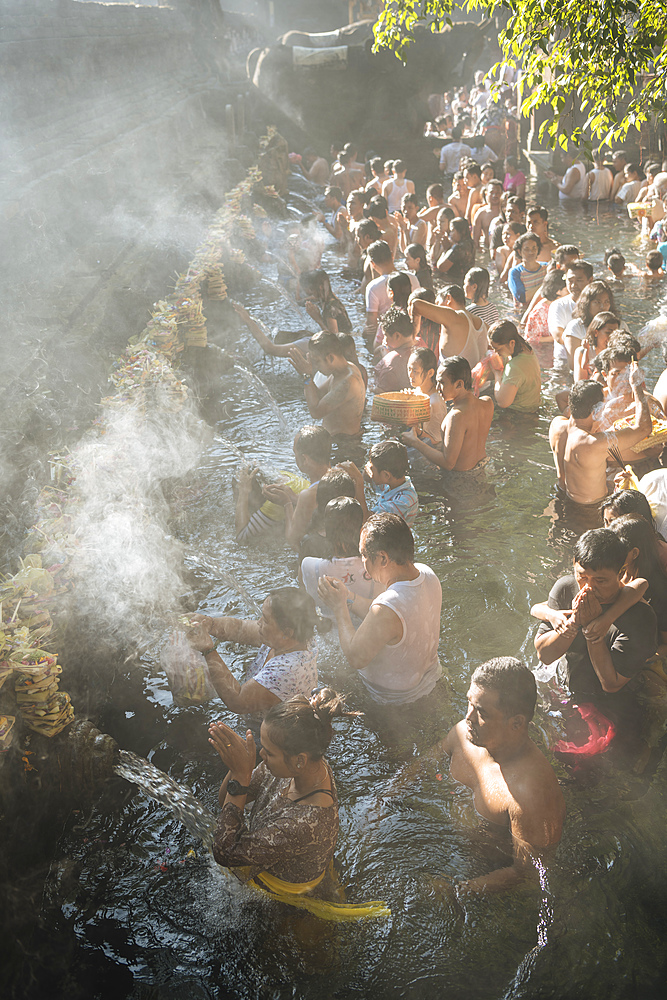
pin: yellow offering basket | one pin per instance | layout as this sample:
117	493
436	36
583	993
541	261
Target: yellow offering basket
401	408
657	436
637	209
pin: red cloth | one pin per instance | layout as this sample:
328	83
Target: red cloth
600	734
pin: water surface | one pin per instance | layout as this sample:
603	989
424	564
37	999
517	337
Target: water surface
133	895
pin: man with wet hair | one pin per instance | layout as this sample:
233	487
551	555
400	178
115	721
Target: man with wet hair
601	657
339	401
465	427
512	782
513	785
580	449
395	649
391	372
335	222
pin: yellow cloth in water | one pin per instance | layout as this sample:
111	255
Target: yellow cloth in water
292	893
275	510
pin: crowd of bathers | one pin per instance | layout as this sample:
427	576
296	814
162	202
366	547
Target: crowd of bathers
424	267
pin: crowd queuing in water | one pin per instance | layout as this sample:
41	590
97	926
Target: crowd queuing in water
424	267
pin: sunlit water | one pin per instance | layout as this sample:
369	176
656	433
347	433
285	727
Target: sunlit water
138	891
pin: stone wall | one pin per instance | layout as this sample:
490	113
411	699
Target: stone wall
116	154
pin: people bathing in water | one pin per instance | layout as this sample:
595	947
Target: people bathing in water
395	648
387	473
290	832
512	783
286	663
580	449
465	427
368	572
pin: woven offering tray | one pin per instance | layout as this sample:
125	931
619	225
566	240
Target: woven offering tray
637	209
657	436
401	407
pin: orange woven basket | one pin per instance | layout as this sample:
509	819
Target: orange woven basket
657	436
400	407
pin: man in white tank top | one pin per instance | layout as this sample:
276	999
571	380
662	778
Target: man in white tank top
394	188
395	649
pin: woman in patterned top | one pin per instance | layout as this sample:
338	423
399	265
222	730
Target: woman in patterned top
286	664
290	833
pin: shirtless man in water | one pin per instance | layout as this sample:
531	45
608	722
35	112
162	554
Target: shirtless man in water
466	425
513	784
339	401
580	452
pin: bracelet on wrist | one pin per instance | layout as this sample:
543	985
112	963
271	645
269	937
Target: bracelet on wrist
307	379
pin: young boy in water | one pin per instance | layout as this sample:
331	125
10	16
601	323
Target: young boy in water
386	471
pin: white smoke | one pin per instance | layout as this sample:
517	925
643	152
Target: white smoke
128	567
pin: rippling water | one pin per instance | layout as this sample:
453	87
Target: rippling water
137	891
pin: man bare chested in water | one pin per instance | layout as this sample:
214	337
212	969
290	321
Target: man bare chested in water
580	451
512	782
466	425
339	401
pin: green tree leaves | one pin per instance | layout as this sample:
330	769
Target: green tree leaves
606	58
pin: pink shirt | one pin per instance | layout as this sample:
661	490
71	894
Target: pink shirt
515	181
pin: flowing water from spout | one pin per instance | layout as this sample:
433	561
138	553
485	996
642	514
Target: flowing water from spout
233	583
257	382
176	797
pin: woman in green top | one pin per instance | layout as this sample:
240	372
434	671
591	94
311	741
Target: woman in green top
517	370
